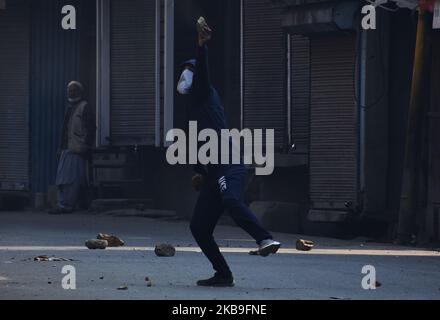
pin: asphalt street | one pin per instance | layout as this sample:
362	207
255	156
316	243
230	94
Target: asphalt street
333	270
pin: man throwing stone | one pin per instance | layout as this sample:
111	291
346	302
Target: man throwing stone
220	186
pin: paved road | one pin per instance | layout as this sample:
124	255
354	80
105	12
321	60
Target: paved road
332	270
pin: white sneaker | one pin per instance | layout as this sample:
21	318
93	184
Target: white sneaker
268	247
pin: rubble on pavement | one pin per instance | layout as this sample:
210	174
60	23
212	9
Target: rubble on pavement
304	245
149	282
165	250
113	241
51	259
96	244
123	288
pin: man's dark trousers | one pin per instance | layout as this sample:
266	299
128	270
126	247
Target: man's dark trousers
222	192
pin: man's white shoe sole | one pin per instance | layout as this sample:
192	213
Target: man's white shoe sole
270	249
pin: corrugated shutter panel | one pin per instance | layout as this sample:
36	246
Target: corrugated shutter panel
300	91
334	129
434	128
133	72
264	55
14	96
55	61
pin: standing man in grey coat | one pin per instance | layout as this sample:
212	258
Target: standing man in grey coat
77	142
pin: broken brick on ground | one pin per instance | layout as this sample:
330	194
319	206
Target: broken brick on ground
304	245
113	241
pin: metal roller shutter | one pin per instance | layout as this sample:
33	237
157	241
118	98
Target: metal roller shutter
334	129
14	96
264	69
133	72
300	91
434	145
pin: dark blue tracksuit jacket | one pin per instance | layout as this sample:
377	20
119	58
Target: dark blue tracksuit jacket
207	109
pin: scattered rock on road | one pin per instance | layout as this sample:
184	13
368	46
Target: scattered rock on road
304	245
113	241
96	244
149	282
123	288
51	259
165	250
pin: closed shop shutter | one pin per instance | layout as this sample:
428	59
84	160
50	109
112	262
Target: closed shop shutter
300	92
333	121
434	145
133	72
264	69
14	96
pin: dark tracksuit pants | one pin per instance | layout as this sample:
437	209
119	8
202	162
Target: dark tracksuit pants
217	196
